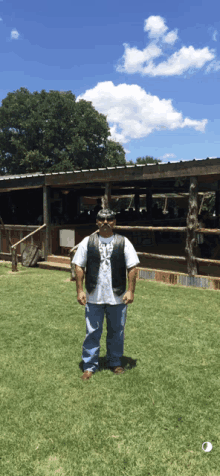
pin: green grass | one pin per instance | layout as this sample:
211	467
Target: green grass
152	420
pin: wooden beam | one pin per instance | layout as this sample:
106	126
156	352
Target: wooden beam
210	167
47	219
107	196
21	184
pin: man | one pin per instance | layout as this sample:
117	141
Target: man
106	256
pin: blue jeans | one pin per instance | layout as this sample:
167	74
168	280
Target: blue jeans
116	318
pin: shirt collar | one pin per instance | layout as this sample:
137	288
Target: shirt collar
106	240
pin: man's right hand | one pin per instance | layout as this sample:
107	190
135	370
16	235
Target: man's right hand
81	298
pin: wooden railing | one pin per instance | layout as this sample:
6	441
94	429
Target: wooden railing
14	247
157	256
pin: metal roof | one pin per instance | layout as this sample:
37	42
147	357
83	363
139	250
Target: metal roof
38	174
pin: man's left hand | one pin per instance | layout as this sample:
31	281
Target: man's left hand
128	297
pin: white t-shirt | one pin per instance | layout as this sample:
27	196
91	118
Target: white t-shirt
103	293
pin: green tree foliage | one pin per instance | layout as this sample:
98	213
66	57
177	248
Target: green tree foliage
51	132
144	160
115	154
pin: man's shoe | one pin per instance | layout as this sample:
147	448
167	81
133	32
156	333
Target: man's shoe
86	375
118	370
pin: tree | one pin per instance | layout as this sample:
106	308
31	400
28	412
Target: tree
115	154
144	160
51	132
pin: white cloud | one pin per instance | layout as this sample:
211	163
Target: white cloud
156	27
14	34
142	61
214	35
213	66
134	58
167	156
171	37
134	114
180	62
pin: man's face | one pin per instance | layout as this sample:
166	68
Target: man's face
106	226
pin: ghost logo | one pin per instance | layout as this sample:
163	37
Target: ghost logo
207	446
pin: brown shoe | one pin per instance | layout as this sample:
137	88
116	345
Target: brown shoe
86	375
118	370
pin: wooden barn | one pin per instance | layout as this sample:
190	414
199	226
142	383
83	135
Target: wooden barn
158	207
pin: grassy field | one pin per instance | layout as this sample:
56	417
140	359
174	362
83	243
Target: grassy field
152	420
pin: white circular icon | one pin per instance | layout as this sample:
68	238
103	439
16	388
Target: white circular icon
208	447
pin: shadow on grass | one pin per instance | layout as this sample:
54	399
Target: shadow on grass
127	362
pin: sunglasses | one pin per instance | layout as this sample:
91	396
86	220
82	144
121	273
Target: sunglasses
103	219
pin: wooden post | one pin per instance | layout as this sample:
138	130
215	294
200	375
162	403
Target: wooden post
217	204
9	239
22	246
46	218
107	197
77	204
149	203
14	258
192	224
137	202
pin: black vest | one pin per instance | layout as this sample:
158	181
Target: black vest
118	265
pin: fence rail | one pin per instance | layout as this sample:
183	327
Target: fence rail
14	247
208	231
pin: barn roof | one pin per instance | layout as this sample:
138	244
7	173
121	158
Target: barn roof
39	174
162	175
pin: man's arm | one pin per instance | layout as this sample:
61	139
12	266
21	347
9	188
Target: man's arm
132	275
79	278
129	295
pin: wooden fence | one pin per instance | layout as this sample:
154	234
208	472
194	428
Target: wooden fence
190	258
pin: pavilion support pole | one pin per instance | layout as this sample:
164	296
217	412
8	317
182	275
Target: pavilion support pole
217	205
192	224
107	197
47	218
137	202
14	259
76	204
149	203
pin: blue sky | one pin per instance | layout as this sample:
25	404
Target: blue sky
152	67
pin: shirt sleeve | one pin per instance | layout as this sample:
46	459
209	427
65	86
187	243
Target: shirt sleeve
80	257
131	257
